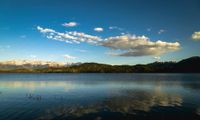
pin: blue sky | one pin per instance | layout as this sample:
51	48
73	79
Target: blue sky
127	31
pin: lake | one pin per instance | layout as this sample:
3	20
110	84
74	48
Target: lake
99	96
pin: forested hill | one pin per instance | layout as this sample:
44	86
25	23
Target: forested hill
190	65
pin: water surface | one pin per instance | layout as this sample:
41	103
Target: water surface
99	96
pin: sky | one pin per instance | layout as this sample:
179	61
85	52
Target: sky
103	31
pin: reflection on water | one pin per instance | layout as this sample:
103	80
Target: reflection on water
36	84
34	97
91	96
198	111
130	103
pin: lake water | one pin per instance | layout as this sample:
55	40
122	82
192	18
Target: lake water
99	96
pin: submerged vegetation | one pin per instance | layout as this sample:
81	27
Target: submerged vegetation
190	65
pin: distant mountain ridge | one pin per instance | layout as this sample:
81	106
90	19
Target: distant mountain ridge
189	65
32	64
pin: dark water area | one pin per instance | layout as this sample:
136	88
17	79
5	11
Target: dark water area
99	96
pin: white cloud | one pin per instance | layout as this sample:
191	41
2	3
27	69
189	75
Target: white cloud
196	35
123	45
138	46
98	29
45	30
161	31
83	37
69	57
70	24
69	37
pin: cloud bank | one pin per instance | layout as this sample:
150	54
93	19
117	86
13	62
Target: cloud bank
138	45
125	44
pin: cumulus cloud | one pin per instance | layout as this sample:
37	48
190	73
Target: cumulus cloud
138	46
69	37
83	37
123	45
196	35
98	29
69	57
70	24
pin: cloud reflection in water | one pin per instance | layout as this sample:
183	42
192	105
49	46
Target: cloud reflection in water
129	102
